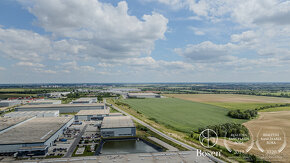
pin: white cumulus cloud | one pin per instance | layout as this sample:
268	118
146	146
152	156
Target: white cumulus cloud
101	29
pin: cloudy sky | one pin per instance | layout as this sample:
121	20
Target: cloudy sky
144	41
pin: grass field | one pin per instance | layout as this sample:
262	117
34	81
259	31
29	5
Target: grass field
12	89
181	115
232	101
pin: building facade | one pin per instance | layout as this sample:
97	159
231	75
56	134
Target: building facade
118	126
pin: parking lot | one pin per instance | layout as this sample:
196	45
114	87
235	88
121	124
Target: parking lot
63	143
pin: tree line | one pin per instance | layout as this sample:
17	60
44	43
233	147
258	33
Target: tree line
226	130
247	114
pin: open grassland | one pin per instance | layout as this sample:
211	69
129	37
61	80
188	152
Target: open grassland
232	101
181	115
12	90
267	123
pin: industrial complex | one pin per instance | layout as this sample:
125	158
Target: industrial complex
45	128
38	128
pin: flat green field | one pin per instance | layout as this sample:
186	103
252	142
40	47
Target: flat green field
181	115
276	109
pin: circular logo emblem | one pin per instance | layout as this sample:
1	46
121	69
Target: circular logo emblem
206	136
271	140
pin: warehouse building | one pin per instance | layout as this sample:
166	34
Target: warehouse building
9	103
52	113
33	136
42	102
118	126
143	95
88	115
63	108
85	100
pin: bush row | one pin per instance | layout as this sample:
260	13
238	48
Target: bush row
247	114
226	130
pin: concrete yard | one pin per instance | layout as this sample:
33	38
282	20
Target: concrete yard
80	151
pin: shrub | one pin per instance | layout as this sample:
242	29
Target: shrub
247	114
226	130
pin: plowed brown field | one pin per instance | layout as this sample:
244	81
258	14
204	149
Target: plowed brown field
275	123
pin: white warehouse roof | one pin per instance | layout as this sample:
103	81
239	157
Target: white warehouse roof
117	122
93	112
51	113
143	94
42	101
61	105
6	122
36	130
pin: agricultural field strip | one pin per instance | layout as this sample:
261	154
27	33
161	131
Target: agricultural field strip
232	101
287	108
181	115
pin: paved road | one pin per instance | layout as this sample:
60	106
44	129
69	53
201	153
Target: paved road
75	143
162	134
162	143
